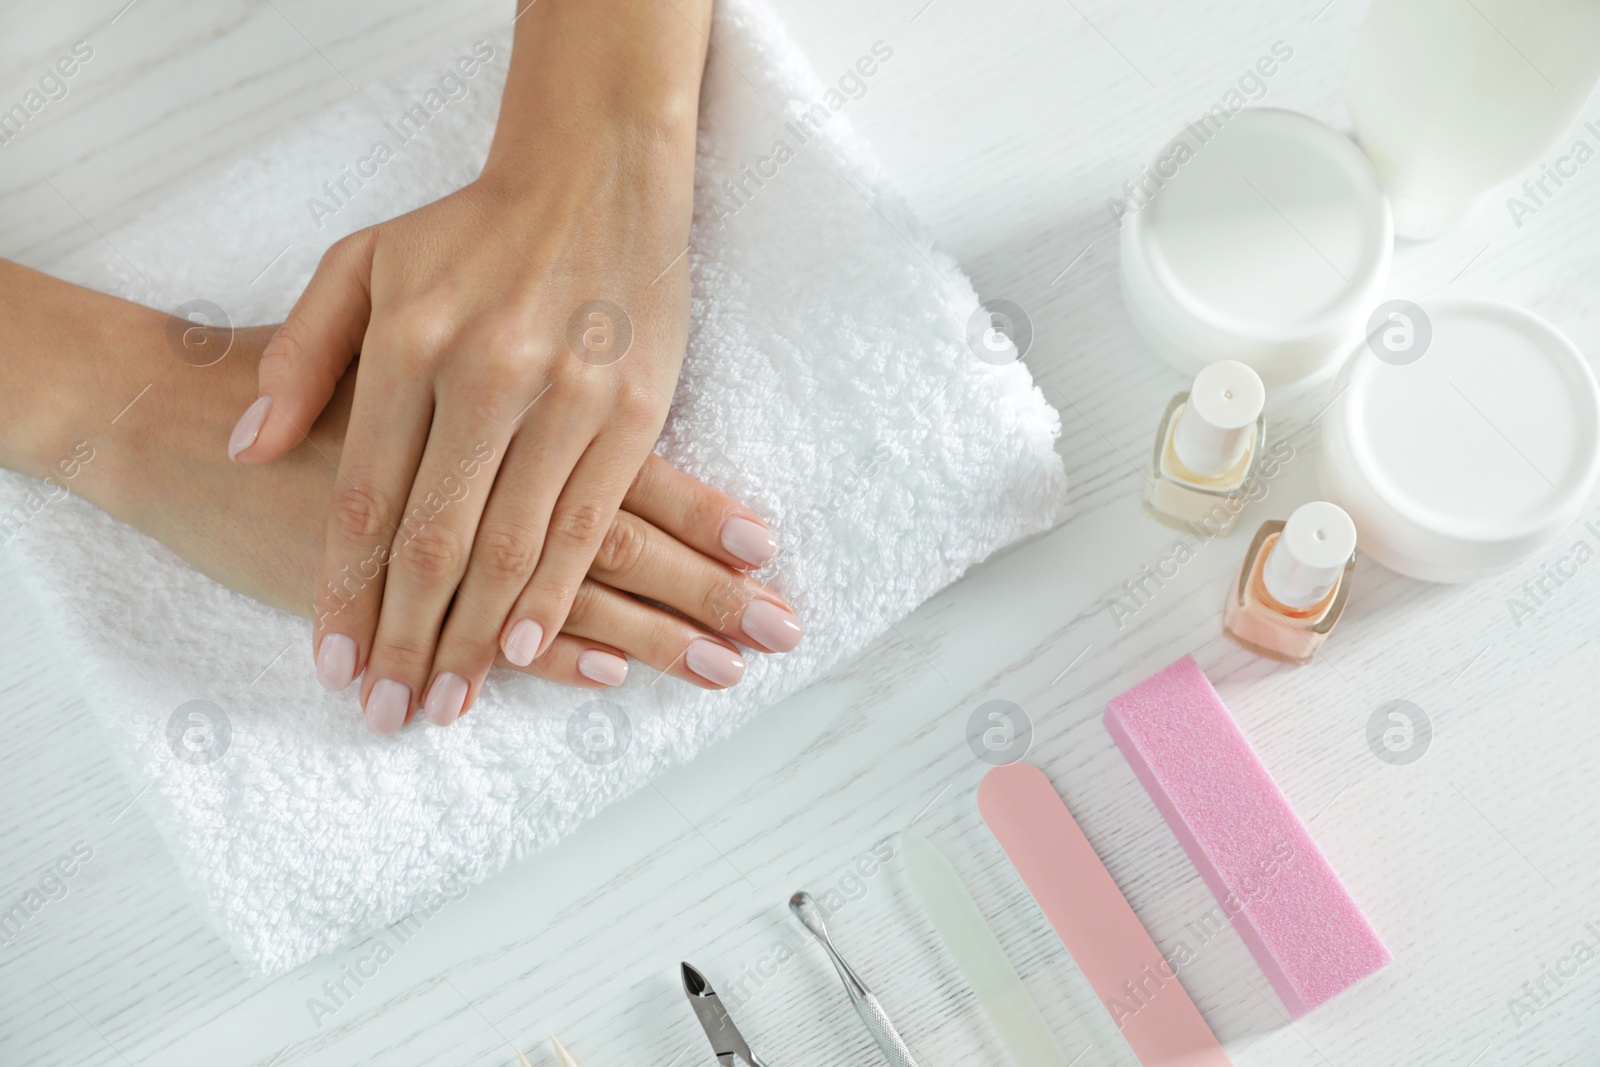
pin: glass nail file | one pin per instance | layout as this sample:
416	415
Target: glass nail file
989	972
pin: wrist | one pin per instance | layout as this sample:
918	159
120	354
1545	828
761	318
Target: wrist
647	142
602	79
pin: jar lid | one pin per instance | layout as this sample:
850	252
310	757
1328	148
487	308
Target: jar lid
1465	435
1262	236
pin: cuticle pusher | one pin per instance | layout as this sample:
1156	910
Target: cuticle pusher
866	1005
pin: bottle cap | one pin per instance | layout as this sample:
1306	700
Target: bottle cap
1310	554
1219	417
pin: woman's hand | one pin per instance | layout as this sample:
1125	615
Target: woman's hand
521	337
73	355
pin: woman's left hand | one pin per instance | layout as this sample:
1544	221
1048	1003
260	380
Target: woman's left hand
521	336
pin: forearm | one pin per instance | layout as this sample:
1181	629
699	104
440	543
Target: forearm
68	365
587	72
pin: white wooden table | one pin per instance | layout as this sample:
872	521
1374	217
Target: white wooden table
1008	123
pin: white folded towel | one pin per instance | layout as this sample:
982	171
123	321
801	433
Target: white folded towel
829	384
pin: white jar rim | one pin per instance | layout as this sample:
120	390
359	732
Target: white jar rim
1462	460
1268	243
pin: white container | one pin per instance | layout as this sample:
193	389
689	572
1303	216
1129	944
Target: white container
1466	454
1450	97
1265	238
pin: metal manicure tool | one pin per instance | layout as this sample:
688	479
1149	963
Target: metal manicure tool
867	1006
725	1038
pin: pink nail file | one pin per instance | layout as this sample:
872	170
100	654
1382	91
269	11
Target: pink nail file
1288	905
1092	918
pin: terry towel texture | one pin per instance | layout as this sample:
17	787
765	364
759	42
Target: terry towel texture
829	384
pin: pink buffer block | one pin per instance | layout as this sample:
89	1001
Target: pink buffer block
1287	903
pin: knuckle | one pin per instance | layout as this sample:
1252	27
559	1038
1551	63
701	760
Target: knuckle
585	602
499	374
724	601
497	391
554	592
508	337
637	404
404	655
465	649
565	389
430	551
420	328
704	512
285	349
361	514
340	589
623	547
331	601
507	552
349	246
667	638
501	366
581	524
356	241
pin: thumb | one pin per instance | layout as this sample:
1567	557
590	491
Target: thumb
302	364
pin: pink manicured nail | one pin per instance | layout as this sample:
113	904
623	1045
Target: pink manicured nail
387	705
522	643
336	661
248	428
446	697
771	626
716	663
602	667
750	541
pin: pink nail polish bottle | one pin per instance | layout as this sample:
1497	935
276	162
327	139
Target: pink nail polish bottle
1208	447
1294	583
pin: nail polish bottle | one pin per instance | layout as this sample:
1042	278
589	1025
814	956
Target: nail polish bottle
1207	448
1294	583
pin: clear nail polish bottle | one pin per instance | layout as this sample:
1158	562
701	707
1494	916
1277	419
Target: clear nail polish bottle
1208	448
1293	584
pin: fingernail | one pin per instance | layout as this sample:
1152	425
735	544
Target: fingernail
715	662
387	705
771	626
249	426
602	667
522	643
336	661
446	697
750	541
